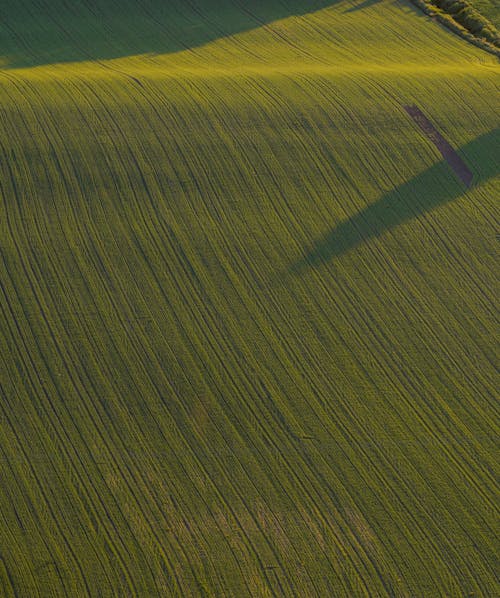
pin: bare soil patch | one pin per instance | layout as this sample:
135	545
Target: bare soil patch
449	154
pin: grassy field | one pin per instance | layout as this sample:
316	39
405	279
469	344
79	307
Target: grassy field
247	312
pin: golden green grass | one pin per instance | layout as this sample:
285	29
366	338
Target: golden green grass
247	312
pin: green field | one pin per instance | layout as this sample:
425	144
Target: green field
248	325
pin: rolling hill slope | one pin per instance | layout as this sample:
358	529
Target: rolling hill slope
247	310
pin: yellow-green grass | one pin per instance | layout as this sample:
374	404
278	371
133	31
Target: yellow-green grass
247	312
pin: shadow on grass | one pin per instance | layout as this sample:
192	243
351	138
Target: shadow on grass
423	193
362	5
33	33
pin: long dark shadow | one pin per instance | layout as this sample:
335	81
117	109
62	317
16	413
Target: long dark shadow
34	33
362	5
431	188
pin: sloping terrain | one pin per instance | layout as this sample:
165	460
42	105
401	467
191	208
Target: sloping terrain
247	328
489	8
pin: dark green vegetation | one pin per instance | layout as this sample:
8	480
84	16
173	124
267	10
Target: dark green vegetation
466	15
488	8
247	312
465	19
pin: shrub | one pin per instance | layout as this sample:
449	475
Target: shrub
464	19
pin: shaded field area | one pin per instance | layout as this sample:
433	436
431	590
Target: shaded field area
247	311
34	33
411	200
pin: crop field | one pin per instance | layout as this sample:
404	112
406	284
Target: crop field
248	324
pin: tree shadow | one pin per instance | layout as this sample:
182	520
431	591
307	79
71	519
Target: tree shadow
433	187
33	33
